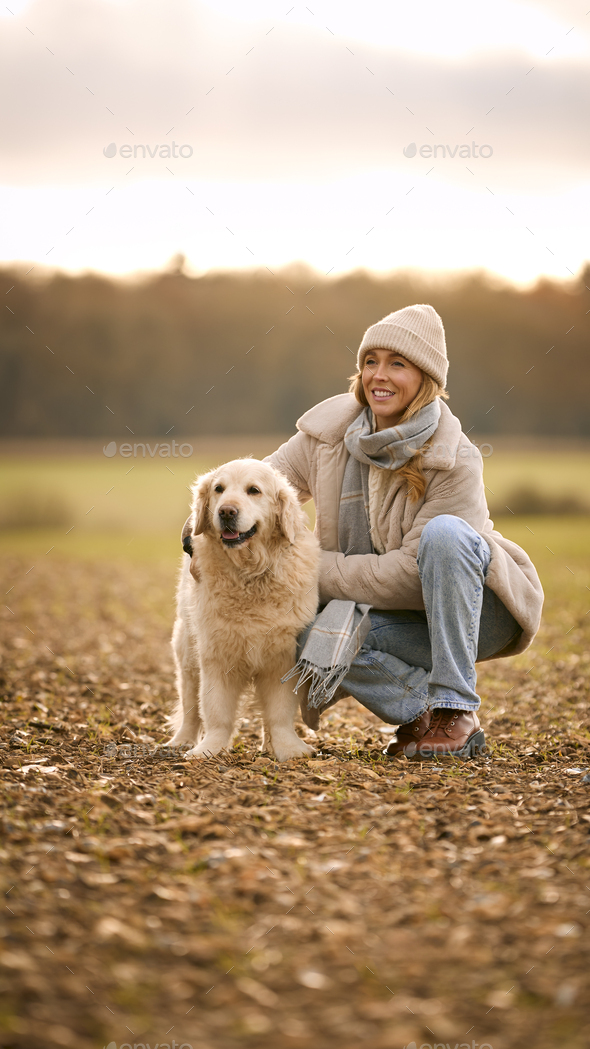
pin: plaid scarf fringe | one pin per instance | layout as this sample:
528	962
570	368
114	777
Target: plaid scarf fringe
334	640
323	682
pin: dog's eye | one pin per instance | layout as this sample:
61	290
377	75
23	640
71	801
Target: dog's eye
253	490
218	488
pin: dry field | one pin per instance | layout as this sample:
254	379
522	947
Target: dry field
345	901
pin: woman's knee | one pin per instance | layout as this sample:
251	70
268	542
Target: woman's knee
443	529
451	537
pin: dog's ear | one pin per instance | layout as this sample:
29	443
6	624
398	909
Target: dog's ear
201	493
289	512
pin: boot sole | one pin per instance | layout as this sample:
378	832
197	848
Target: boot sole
475	745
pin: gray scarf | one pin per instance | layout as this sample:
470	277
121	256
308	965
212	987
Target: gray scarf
386	449
341	627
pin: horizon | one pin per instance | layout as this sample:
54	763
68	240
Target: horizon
178	265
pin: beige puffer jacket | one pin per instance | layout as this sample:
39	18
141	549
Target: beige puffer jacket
314	461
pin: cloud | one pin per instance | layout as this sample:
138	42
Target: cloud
301	105
455	29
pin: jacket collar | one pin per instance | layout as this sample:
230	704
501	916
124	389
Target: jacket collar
329	420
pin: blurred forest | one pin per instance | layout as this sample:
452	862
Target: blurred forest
248	352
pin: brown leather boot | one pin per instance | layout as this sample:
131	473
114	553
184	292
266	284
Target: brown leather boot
455	733
408	736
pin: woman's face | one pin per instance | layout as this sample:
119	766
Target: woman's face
390	383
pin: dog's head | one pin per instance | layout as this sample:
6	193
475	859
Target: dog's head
244	502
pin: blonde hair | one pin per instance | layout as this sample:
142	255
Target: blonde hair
412	471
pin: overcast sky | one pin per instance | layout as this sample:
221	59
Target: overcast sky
277	132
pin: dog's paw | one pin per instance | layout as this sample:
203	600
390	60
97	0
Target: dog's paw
207	747
181	739
294	747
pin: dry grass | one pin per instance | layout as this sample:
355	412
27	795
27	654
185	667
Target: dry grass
346	901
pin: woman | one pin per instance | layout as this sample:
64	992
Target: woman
404	528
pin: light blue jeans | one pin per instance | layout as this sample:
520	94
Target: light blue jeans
411	661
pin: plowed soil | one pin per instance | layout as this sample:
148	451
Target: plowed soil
343	901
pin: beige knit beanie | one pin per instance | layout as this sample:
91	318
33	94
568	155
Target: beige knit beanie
417	333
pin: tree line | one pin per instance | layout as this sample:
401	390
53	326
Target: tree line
247	352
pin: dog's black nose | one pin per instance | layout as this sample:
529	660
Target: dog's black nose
227	513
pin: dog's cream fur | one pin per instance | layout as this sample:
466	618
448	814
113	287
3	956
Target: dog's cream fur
240	609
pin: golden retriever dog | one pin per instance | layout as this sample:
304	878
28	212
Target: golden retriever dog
246	592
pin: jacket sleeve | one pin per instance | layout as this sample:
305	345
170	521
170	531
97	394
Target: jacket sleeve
294	460
391	580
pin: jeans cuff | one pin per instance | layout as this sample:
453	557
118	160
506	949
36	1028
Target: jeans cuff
455	704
